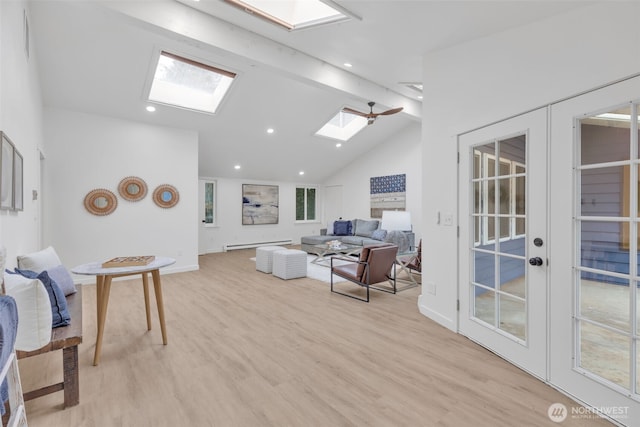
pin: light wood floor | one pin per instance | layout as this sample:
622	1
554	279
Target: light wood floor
248	349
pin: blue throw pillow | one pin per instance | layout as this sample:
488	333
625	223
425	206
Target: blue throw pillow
59	313
342	228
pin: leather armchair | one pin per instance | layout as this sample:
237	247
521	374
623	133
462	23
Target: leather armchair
374	266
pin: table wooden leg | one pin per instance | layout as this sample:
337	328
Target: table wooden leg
157	287
145	287
99	286
104	302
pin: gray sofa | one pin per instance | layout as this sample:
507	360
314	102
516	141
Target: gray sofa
362	232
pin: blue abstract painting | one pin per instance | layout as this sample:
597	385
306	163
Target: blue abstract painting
259	204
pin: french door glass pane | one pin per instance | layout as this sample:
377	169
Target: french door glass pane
601	246
512	315
605	353
484	305
512	278
603	191
605	137
606	300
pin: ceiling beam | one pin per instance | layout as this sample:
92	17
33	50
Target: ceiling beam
200	28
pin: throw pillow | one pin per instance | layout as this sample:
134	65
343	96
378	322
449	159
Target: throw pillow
342	228
379	234
59	313
39	261
330	228
62	277
34	311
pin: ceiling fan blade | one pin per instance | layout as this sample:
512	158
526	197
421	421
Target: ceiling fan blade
356	112
392	111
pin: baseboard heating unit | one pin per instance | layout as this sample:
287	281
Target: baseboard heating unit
234	246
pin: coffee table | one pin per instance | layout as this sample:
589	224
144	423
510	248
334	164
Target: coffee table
323	251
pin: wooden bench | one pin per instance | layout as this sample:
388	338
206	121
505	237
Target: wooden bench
65	338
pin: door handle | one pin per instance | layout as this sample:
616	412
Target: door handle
536	261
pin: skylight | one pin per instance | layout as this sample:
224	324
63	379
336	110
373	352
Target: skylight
185	83
343	126
293	14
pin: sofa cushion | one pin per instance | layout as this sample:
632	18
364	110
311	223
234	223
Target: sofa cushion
364	228
353	240
342	228
316	240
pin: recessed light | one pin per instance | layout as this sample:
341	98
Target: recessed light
348	65
270	130
151	108
301	173
338	145
420	97
236	167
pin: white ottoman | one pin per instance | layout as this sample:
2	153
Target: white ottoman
290	264
264	257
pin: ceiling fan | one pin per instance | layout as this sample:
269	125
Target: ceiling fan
371	116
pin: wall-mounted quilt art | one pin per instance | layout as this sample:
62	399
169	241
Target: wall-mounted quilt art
259	204
388	193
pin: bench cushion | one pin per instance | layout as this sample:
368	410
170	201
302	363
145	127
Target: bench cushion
34	311
60	314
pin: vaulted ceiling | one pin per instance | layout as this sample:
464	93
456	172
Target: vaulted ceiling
97	56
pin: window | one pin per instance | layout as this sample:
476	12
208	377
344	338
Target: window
343	126
189	84
209	203
305	204
293	14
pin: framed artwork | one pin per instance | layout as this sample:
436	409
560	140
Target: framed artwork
18	198
388	193
259	204
6	173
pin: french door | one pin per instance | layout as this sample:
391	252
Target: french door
595	222
503	239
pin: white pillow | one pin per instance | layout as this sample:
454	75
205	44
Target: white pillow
39	261
330	228
34	311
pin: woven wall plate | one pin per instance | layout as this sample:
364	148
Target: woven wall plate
100	202
132	188
166	196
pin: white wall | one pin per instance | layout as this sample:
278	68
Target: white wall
401	155
490	79
21	119
85	152
229	229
